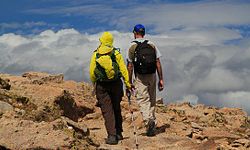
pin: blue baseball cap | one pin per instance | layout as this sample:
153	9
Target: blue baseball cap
139	28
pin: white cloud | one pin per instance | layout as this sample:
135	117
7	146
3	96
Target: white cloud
66	51
219	80
239	99
12	40
205	64
200	68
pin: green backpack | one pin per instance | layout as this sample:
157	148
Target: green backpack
100	71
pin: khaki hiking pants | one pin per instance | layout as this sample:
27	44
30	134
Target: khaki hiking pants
146	95
109	96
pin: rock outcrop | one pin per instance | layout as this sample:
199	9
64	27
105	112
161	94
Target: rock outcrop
43	111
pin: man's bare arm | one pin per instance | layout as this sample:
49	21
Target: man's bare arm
130	71
160	74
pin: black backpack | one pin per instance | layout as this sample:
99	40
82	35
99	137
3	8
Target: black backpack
144	58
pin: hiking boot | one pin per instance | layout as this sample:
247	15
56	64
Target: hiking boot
119	136
112	140
151	128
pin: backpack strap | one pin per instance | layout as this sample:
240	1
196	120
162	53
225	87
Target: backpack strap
112	55
113	58
140	43
118	49
137	42
145	42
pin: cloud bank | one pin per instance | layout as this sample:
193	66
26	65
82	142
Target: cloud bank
198	66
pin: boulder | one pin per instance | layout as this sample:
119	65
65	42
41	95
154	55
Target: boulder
80	130
243	142
4	84
217	132
42	78
70	109
5	107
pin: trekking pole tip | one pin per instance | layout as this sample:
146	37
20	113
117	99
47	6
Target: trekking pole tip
137	146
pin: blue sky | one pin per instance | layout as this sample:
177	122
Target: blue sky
33	17
205	44
59	14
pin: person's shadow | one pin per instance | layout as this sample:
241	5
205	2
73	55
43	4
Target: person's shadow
159	130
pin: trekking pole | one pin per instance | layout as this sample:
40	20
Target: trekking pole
132	118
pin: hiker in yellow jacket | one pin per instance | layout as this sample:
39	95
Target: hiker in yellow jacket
106	69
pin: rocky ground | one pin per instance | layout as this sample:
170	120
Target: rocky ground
40	111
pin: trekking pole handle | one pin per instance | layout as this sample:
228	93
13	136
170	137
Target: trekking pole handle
129	97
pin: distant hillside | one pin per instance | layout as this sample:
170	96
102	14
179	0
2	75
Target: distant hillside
43	111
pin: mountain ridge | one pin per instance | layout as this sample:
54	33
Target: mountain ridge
43	111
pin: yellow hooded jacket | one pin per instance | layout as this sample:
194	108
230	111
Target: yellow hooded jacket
105	61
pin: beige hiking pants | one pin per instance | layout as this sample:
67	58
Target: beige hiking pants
146	95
